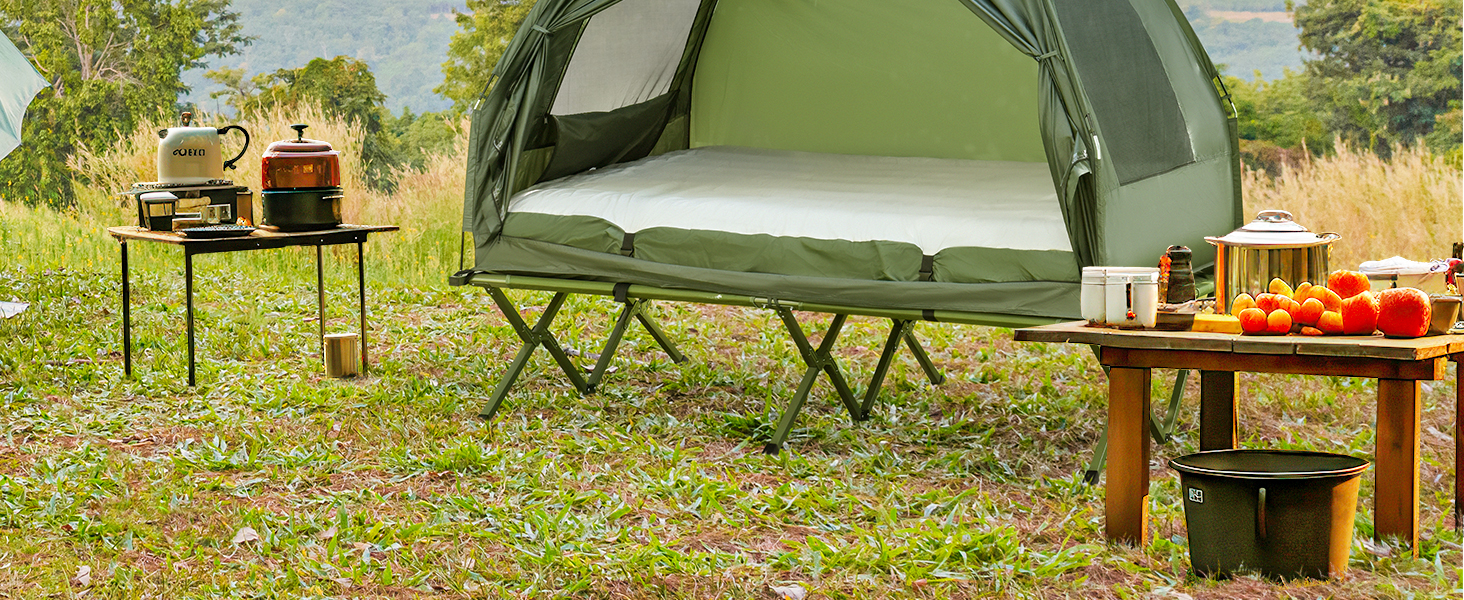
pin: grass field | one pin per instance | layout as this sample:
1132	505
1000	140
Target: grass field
270	481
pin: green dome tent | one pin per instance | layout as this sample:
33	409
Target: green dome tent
954	160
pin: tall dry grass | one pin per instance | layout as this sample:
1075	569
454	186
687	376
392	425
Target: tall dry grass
1409	206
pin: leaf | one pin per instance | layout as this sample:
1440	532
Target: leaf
790	592
83	576
330	532
1377	549
246	534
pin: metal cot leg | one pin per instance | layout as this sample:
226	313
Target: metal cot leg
881	368
631	309
900	330
932	373
654	329
533	338
817	360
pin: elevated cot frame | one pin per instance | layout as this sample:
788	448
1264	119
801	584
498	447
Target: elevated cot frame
636	305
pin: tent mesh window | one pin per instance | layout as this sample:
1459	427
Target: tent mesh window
1131	94
612	70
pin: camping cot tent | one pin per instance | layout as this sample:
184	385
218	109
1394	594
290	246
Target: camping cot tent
946	160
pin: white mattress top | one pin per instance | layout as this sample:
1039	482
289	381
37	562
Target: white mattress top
933	203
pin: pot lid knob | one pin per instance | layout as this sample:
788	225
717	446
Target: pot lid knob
1274	221
300	137
1274	216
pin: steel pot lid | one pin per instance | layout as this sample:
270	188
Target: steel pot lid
299	145
1273	229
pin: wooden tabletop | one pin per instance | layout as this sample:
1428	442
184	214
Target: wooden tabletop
1360	346
133	232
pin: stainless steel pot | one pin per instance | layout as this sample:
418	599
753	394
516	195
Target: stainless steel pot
1271	246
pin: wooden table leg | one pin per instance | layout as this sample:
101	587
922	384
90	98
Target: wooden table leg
1395	506
1218	422
1126	505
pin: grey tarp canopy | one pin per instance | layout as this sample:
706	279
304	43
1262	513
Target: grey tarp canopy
587	84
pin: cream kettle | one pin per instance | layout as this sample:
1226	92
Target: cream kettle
194	155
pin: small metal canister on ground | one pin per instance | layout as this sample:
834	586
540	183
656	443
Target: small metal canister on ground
342	355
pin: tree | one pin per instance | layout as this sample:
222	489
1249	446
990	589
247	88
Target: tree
237	88
485	32
1279	111
1388	71
342	86
110	64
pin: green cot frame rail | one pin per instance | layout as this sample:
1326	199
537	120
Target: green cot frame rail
637	299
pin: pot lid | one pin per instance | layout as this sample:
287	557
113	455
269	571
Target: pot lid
300	143
1273	229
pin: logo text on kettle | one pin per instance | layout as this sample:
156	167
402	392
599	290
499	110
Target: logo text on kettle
188	151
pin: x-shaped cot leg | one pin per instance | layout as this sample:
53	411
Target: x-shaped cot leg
899	330
1160	431
533	338
818	360
633	309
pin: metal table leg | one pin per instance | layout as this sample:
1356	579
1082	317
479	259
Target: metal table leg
361	281
126	315
320	292
188	289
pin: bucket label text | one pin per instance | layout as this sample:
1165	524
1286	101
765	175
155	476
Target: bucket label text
1197	495
188	151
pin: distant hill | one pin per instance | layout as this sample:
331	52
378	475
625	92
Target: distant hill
405	41
1246	36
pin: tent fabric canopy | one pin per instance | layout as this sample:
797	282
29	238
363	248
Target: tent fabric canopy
1117	97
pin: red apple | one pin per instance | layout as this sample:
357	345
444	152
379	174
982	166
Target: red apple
1360	314
1268	302
1252	320
1310	312
1403	312
1329	298
1330	322
1278	323
1348	283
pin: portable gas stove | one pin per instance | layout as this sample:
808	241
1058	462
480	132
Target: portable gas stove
192	197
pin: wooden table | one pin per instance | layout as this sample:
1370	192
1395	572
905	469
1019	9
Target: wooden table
260	239
1398	365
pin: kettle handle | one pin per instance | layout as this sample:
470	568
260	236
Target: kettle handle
229	164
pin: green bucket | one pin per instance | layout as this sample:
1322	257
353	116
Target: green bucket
1283	514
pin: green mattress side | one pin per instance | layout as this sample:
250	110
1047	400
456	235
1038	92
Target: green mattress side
518	256
874	260
586	233
780	255
998	265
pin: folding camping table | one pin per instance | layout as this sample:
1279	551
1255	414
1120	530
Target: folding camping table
1399	365
260	239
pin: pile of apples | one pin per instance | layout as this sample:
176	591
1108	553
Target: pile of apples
1344	306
